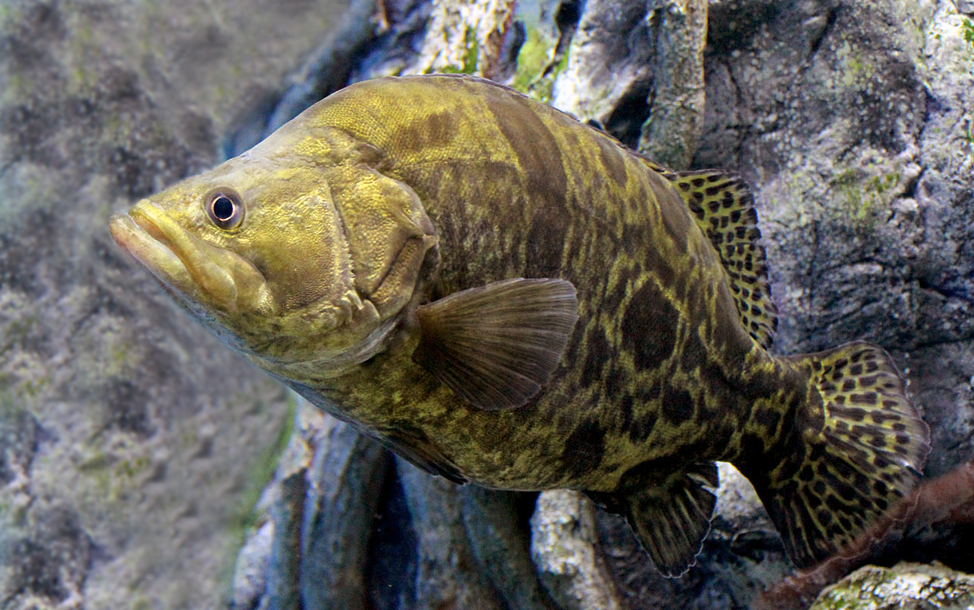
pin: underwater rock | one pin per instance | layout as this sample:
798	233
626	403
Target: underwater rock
133	445
497	532
638	69
339	509
566	552
905	586
851	122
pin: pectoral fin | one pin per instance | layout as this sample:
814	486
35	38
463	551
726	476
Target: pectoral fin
497	345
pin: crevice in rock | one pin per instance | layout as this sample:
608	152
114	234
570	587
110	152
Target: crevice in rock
566	20
947	293
816	43
393	550
626	119
399	42
732	25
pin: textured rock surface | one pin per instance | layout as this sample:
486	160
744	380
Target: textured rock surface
856	141
133	443
905	586
566	549
637	67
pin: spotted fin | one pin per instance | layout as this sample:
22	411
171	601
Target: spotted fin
497	345
670	520
864	447
723	207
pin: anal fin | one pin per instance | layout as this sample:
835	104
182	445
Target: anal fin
672	519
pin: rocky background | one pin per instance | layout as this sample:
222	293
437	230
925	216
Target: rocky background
132	445
135	448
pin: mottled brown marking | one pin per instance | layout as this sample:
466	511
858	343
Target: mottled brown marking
534	147
615	382
613	298
677	406
546	242
433	131
768	418
625	407
649	327
673	211
584	448
598	353
728	334
612	161
643	424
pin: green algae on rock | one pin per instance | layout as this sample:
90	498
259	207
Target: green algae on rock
905	586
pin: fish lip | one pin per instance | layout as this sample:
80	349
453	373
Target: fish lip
145	222
137	234
202	275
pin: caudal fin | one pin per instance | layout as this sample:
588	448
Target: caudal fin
862	447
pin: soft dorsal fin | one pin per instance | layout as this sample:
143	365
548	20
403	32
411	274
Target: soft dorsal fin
497	345
723	207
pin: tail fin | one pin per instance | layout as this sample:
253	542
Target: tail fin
860	447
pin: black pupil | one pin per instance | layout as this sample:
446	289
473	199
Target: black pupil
223	207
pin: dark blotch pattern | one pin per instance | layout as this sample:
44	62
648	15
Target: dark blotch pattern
534	147
649	327
599	353
584	448
612	160
677	406
437	130
545	243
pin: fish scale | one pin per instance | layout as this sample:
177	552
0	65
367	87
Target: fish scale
505	296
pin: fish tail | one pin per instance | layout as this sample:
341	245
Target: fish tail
858	448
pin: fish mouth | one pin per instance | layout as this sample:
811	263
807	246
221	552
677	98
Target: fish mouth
199	272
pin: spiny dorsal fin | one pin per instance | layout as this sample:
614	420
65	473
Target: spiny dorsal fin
672	519
497	345
723	207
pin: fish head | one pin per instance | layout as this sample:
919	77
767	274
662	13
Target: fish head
258	251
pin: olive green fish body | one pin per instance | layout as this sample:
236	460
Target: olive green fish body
506	296
655	366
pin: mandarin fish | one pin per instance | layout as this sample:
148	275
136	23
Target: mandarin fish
506	296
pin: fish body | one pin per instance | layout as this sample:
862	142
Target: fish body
506	296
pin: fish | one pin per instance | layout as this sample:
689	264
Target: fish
505	296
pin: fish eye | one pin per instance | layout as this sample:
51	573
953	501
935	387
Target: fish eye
224	208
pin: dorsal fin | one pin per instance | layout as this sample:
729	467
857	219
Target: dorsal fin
723	207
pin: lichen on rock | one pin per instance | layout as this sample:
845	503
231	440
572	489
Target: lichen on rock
905	586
